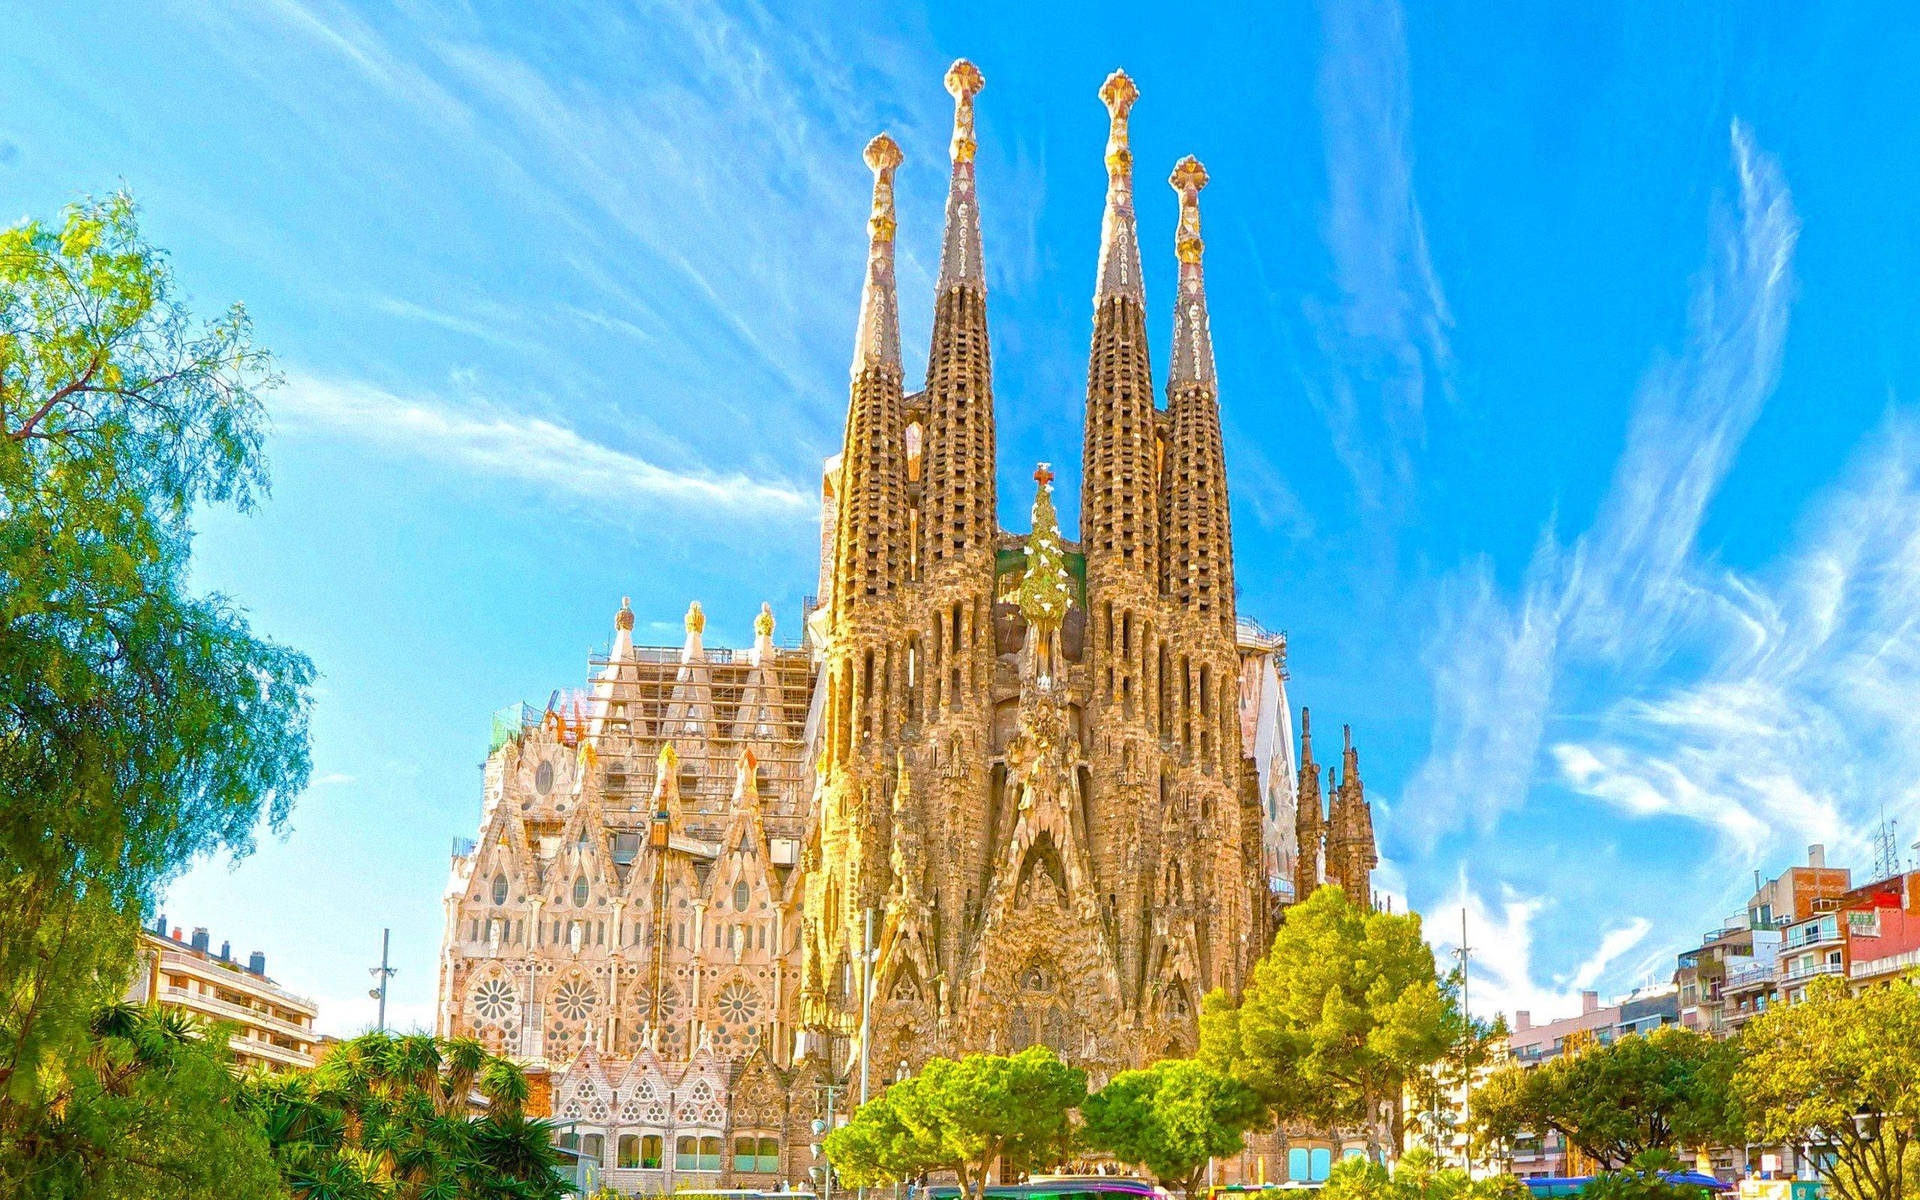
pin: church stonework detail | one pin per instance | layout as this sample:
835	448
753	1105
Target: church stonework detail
1006	789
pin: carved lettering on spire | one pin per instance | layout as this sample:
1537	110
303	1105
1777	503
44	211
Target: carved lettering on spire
1192	333
878	342
1119	241
960	247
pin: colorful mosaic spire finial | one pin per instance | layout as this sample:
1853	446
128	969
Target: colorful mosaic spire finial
878	342
960	247
1119	242
1192	334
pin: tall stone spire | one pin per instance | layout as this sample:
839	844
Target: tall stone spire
877	343
870	559
1351	853
1118	511
960	248
1119	240
1309	818
957	510
1192	337
1196	540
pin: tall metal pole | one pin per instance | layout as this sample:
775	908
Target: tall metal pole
1466	1033
866	1001
383	972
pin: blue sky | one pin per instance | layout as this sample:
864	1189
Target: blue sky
1567	359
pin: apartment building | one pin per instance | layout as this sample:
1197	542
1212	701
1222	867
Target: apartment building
1598	1024
271	1026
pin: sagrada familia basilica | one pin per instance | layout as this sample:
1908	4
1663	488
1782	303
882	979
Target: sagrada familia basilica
1004	790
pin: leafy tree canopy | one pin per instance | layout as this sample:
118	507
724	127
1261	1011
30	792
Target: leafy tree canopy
1171	1118
145	1108
1340	1012
1658	1091
961	1116
140	725
1415	1177
393	1117
1841	1070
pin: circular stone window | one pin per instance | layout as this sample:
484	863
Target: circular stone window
574	1000
738	1004
493	1000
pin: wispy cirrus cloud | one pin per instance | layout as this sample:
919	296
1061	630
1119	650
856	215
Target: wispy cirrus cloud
1620	597
1799	725
1385	333
500	443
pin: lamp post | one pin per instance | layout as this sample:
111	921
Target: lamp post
383	972
820	1130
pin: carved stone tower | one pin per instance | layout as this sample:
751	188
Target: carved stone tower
865	671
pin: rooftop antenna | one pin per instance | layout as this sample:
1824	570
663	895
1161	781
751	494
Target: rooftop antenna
1886	852
383	972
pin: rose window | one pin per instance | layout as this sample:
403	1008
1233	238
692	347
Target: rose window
493	1000
574	1000
738	1004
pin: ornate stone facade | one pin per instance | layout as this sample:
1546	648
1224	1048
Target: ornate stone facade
1009	789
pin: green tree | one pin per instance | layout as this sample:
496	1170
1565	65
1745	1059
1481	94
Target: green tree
1172	1118
1841	1071
140	725
391	1118
1341	1011
1667	1089
146	1109
1415	1177
962	1116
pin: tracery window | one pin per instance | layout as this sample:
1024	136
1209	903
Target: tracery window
739	1003
500	887
493	1000
742	896
580	891
574	999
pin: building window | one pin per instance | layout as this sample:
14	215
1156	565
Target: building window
580	891
742	896
500	887
652	1147
543	778
593	1146
629	1150
744	1156
709	1154
769	1154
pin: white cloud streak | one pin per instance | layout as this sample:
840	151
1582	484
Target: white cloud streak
1386	333
502	444
1617	601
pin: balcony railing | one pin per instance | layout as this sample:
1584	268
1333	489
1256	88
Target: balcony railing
1798	972
238	1012
1884	966
1749	975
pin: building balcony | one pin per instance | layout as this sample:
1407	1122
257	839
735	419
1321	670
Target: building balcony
1891	964
247	1044
226	1010
1807	936
1799	971
1750	977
